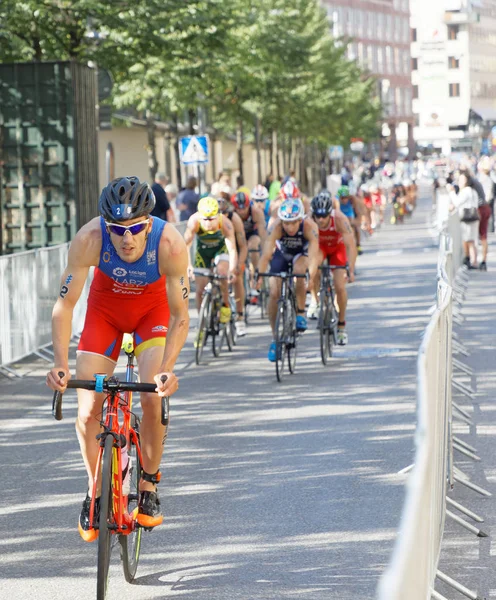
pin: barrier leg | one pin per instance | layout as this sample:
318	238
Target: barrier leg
8	372
458	364
458	586
466	452
460	477
464	444
463	523
464	510
460	387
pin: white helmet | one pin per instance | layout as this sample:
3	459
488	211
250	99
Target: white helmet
259	193
291	210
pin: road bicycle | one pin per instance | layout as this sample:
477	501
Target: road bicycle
209	325
286	334
119	496
328	318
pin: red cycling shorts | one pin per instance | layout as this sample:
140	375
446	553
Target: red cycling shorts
106	323
336	255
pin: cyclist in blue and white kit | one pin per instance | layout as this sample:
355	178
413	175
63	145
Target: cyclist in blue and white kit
292	239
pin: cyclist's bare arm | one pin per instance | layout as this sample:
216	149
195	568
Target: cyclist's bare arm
228	231
343	226
84	252
173	263
259	219
311	234
189	235
274	234
239	231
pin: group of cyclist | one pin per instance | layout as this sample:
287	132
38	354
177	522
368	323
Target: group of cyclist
142	267
245	230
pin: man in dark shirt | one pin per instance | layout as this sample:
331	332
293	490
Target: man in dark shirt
187	200
162	208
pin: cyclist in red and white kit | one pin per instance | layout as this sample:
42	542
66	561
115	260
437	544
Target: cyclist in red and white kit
337	245
140	286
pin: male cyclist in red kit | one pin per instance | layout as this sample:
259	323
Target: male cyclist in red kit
140	286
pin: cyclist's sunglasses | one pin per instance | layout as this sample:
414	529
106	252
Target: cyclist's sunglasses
208	218
321	216
133	229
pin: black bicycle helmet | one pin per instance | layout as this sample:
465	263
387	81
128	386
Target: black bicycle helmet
322	204
126	198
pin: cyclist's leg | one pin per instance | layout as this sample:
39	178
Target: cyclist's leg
314	285
239	291
200	283
222	269
152	432
341	293
254	244
300	266
98	351
274	294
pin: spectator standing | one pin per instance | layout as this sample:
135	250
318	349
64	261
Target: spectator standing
486	177
171	191
275	188
486	190
162	208
466	202
268	181
187	199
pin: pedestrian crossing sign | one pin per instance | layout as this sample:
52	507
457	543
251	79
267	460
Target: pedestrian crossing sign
194	149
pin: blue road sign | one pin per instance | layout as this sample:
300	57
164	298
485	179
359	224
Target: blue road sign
194	149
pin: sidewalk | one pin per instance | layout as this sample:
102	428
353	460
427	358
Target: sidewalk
464	557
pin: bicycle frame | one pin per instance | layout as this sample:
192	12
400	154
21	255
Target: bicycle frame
114	404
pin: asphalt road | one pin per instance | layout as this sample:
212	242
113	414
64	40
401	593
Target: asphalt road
270	490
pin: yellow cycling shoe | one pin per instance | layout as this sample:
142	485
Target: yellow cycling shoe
225	314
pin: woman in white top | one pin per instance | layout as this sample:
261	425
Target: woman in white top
466	198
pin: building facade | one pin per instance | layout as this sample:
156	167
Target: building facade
379	37
454	73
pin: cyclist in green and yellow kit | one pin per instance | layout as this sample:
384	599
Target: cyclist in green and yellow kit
215	247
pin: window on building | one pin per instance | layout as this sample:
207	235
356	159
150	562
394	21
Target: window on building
414	35
453	32
415	91
454	90
389	61
414	64
453	63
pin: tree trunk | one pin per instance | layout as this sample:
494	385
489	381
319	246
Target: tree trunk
151	148
191	118
271	153
257	144
177	154
239	146
276	150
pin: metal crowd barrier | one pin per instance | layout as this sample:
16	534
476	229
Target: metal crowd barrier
413	568
29	283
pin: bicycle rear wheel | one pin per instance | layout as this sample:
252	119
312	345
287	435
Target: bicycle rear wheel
324	327
280	339
203	321
106	512
131	543
291	334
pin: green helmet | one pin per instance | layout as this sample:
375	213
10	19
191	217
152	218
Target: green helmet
343	191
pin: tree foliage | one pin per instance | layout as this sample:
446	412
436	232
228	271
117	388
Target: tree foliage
273	60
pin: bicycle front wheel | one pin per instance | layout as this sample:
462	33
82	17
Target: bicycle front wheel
324	319
131	543
106	519
280	339
291	334
203	321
